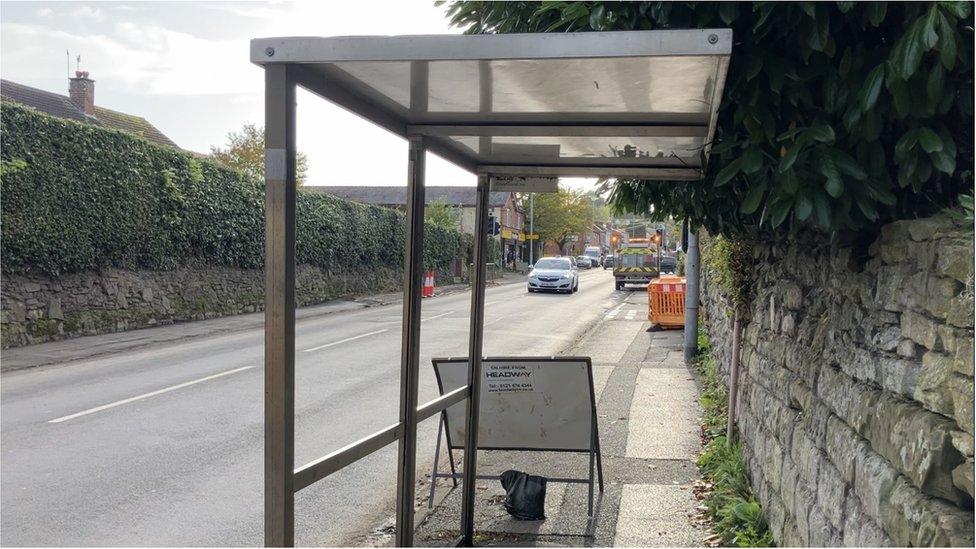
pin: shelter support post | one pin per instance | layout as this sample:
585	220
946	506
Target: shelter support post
279	315
476	332
691	297
410	344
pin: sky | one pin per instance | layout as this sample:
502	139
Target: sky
184	67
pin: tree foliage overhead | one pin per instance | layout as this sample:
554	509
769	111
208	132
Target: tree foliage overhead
834	115
245	153
562	214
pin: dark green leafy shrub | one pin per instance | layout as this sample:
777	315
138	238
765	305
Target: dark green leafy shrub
77	197
835	115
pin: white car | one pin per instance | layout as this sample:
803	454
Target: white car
554	274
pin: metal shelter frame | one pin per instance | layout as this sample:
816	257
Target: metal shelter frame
399	83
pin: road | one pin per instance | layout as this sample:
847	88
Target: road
163	445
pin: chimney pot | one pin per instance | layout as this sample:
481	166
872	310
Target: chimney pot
81	90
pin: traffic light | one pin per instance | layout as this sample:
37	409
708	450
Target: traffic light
658	237
493	227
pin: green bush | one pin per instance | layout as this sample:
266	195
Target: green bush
78	197
835	115
729	263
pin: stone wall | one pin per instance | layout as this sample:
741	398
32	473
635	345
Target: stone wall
36	309
856	393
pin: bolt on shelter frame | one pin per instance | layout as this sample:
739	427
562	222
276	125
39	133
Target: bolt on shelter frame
636	104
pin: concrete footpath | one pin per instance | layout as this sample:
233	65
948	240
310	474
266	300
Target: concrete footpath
648	412
87	347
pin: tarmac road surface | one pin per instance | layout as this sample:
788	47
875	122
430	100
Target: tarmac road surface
163	445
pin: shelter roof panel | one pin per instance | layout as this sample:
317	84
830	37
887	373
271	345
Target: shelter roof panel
640	103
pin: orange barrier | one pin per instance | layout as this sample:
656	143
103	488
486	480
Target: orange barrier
666	301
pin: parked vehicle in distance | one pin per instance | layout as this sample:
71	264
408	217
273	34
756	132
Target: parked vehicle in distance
669	264
593	253
608	261
584	262
555	274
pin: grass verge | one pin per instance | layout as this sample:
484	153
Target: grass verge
737	516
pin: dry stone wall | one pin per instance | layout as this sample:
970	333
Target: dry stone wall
856	386
38	308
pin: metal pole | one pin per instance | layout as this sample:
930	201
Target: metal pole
531	228
660	243
413	258
691	297
279	307
733	377
476	332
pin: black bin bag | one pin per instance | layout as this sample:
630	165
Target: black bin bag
526	495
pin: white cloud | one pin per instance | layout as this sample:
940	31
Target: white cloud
142	58
189	56
88	13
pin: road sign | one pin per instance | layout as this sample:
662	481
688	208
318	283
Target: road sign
532	237
542	404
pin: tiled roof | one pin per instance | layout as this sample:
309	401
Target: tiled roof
62	107
132	124
46	102
397	196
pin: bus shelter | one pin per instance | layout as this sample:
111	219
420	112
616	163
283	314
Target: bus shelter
636	104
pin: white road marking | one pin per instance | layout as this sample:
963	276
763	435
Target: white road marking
348	339
631	314
435	316
613	312
147	395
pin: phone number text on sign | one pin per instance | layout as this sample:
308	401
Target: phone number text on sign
509	378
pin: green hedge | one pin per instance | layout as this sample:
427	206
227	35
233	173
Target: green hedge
78	197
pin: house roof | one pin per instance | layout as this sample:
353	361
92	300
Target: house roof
61	106
397	196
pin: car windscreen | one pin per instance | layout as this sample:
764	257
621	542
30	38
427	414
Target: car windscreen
553	264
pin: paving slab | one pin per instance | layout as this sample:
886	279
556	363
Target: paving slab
664	416
653	515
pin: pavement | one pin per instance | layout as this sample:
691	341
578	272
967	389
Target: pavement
648	413
155	437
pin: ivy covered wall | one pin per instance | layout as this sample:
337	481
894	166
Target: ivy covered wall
81	200
77	197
